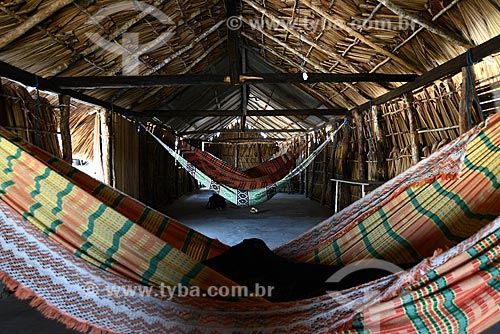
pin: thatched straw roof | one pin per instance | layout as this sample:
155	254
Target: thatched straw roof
60	38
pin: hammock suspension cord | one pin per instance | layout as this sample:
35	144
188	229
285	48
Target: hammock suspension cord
471	90
37	112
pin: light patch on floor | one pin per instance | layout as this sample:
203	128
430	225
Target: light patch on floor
277	221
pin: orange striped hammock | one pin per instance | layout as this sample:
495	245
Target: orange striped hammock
260	176
442	213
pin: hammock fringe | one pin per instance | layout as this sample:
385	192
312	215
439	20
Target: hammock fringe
48	310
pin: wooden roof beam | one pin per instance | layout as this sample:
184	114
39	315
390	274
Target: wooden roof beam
13	73
449	68
225	113
220	79
41	15
427	24
201	132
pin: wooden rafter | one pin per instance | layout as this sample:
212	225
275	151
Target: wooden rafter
187	70
41	15
415	33
427	24
321	47
344	26
311	62
308	88
326	49
53	36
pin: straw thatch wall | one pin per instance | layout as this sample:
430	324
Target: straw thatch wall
437	109
134	163
243	150
18	113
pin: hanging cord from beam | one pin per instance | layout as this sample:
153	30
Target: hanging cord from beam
37	112
303	64
471	90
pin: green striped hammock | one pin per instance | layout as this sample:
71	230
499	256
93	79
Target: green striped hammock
442	213
242	197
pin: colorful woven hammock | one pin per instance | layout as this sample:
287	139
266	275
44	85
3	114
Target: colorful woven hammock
447	203
261	176
242	197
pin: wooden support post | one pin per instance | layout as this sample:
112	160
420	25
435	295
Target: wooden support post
244	92
146	194
97	142
4	119
379	134
106	146
64	108
358	120
306	176
334	164
343	168
237	153
465	110
311	168
325	173
414	125
259	153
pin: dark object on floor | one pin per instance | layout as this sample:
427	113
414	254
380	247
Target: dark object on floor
251	262
216	202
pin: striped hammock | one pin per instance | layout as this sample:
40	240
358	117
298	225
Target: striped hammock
260	176
442	213
237	196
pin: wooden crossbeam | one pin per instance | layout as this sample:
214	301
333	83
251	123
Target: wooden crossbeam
202	132
13	73
216	79
225	113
